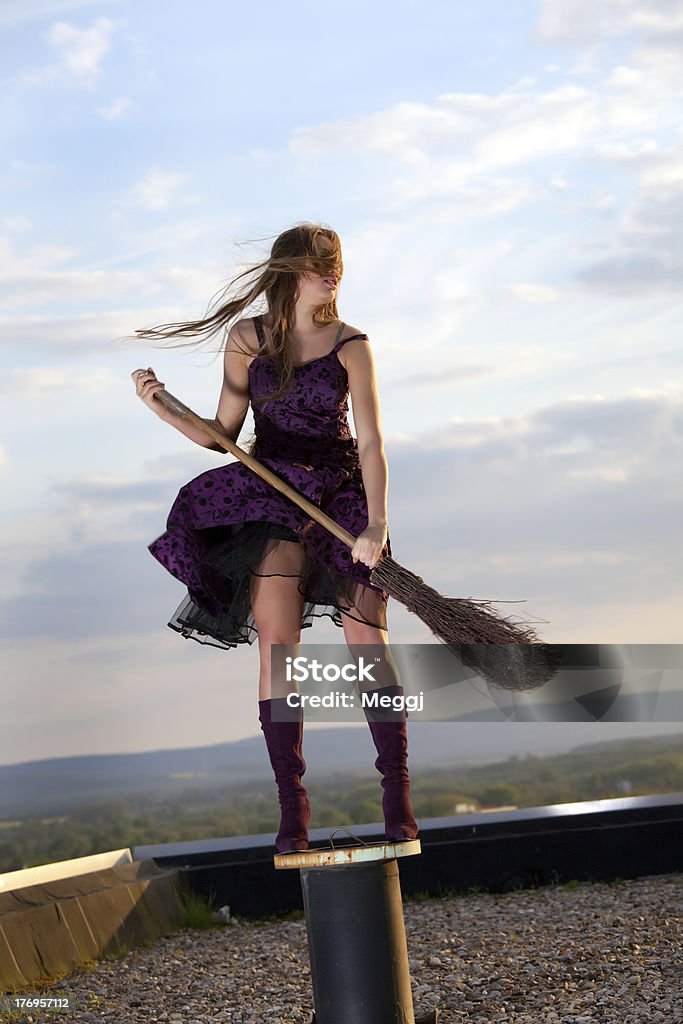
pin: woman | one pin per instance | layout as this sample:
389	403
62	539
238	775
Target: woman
253	562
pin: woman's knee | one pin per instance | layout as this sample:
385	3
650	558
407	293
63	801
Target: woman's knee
356	632
277	607
366	622
278	620
271	634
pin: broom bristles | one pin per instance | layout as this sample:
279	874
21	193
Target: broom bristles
472	630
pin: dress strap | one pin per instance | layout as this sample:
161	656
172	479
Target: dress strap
258	324
344	340
259	334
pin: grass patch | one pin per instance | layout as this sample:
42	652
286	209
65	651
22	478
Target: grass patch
198	911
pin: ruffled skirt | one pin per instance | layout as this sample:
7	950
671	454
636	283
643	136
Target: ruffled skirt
228	529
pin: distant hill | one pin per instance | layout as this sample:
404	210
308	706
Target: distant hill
55	785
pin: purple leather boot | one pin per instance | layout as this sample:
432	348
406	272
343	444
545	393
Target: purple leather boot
388	729
283	740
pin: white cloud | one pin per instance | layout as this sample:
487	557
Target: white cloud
14	261
663	166
542	125
647	251
43	287
157	189
536	293
35	276
653	31
457	147
81	50
41	381
34	10
405	131
116	109
582	20
17	222
445	160
89	331
513	126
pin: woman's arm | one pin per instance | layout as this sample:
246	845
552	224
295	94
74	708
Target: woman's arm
233	401
360	368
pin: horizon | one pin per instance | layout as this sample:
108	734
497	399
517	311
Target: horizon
653	731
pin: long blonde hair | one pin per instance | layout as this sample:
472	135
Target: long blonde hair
294	251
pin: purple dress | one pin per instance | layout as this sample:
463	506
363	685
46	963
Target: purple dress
228	525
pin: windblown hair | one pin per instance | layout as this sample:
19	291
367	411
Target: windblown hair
295	251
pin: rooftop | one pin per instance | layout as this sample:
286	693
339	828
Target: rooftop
573	954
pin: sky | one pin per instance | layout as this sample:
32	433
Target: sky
507	183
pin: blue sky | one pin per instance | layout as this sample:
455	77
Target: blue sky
507	182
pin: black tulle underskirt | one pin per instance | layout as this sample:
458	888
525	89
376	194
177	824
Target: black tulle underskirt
220	613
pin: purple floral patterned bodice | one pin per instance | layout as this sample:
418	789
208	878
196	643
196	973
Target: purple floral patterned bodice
310	422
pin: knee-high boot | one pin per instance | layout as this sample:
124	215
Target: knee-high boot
388	729
283	740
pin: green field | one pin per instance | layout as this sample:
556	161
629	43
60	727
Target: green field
592	772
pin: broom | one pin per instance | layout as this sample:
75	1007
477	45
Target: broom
469	628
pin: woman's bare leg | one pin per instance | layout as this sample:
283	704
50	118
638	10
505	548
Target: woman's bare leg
277	607
357	634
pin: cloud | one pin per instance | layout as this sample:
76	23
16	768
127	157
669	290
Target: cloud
116	109
102	590
44	380
443	378
13	261
37	276
647	251
74	333
406	131
157	189
81	50
474	157
98	492
96	506
574	21
534	293
542	125
35	10
43	287
81	53
492	131
481	156
653	31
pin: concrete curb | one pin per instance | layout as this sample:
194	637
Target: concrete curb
50	928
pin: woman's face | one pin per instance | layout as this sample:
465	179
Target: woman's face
320	287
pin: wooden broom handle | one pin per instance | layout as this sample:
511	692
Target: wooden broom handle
171	402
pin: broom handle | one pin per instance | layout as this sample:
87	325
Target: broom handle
171	402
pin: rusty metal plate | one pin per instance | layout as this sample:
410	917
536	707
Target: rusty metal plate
334	856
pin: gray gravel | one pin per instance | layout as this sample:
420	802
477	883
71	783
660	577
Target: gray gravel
592	953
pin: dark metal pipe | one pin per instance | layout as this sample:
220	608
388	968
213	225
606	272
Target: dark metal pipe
357	944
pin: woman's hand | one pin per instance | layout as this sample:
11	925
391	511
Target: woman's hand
146	384
369	544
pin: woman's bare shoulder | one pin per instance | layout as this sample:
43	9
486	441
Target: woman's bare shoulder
351	332
242	338
356	353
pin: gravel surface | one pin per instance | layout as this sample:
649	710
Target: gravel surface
591	953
